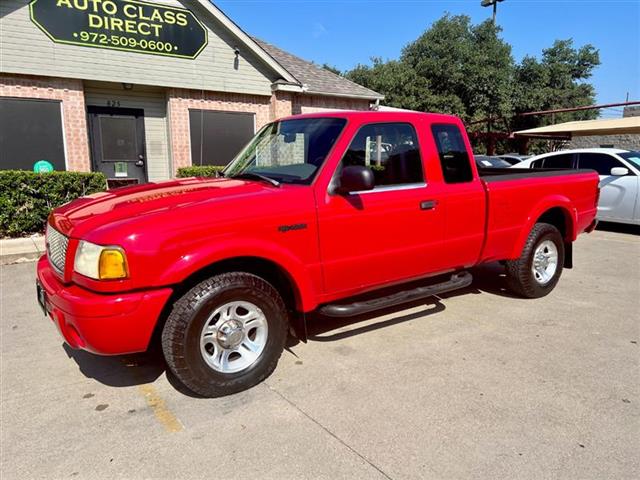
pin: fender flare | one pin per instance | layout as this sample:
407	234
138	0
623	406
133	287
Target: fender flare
544	205
202	256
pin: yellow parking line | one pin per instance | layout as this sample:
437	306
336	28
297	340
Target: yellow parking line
168	420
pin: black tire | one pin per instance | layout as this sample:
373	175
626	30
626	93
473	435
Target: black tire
181	333
520	278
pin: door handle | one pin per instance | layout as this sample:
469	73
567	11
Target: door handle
428	204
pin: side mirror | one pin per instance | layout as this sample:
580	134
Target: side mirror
355	178
619	171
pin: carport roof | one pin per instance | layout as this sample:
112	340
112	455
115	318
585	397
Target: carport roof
616	126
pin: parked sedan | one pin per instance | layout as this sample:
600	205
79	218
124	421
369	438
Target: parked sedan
619	172
486	161
514	158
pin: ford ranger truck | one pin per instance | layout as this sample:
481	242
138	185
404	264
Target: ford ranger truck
319	213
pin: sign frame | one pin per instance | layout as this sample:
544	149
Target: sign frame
124	48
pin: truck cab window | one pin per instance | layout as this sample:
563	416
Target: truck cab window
456	167
390	150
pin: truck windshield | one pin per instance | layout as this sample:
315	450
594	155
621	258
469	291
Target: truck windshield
289	151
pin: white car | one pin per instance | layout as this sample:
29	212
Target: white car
619	172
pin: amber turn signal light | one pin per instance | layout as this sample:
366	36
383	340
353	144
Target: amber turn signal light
113	264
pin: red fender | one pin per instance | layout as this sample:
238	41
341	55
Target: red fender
205	255
547	203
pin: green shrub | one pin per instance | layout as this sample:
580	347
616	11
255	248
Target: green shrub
199	171
26	198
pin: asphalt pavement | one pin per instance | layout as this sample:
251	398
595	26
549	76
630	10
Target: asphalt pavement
476	384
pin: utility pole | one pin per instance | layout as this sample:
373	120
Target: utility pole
494	4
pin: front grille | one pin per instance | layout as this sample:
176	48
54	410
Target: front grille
57	245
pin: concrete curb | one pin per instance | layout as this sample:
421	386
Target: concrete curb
16	250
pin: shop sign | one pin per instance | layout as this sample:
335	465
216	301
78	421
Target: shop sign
128	25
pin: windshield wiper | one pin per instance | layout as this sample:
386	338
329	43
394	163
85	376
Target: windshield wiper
256	176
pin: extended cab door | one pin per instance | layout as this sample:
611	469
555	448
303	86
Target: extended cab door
391	233
465	203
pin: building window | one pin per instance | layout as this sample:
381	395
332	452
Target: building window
217	137
30	131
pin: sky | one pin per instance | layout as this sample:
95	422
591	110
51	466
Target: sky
345	33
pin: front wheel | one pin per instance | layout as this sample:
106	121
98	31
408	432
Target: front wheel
537	271
226	334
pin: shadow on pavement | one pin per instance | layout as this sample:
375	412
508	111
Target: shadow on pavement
619	228
119	370
488	278
318	325
142	368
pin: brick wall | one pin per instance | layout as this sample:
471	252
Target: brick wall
281	105
71	93
181	100
627	142
320	103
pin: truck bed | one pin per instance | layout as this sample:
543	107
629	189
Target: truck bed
502	174
517	197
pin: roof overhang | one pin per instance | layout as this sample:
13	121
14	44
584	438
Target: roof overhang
287	87
346	95
568	130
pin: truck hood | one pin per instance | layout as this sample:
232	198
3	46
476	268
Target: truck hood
130	203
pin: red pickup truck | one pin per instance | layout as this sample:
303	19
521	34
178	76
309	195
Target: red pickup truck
314	212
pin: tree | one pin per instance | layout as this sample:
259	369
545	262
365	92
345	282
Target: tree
332	69
467	65
401	85
454	67
558	80
468	70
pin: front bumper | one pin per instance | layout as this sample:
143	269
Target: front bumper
110	324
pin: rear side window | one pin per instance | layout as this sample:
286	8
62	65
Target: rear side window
537	163
454	158
559	161
390	150
598	162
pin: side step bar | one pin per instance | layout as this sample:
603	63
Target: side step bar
457	280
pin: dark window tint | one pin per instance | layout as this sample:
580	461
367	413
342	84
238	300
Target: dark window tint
452	150
599	162
217	137
564	160
537	164
390	150
122	141
30	130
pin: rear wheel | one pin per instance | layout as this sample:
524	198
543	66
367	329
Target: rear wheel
537	271
226	334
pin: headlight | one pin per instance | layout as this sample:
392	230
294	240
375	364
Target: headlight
100	263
